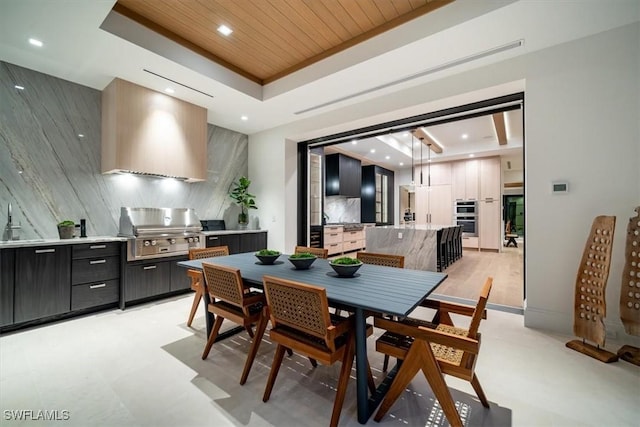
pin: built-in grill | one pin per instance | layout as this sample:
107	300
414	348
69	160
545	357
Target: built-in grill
348	226
160	232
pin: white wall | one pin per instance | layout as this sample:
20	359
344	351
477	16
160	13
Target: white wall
582	115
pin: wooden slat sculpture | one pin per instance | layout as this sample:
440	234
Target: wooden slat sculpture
590	306
630	291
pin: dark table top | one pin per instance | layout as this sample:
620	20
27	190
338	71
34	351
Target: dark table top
389	290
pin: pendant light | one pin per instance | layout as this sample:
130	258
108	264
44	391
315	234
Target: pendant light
413	170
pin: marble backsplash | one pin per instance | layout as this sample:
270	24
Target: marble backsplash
50	162
342	209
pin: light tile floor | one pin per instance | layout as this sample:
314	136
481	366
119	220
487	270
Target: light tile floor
142	367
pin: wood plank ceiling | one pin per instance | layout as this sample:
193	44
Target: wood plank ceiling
272	38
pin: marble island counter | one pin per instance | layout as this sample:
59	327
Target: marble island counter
418	243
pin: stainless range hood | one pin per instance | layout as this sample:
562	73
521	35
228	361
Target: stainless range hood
150	133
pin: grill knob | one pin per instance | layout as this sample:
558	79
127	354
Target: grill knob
147	243
190	240
196	239
153	243
172	241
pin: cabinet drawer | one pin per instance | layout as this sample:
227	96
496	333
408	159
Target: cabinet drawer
352	235
94	294
352	245
334	248
92	269
332	237
95	250
470	242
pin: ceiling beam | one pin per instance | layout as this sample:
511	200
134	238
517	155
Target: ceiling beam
501	130
427	140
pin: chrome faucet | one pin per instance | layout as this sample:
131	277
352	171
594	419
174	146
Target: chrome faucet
9	229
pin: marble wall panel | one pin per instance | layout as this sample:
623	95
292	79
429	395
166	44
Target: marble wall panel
50	162
342	209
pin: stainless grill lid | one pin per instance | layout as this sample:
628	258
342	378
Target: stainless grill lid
136	222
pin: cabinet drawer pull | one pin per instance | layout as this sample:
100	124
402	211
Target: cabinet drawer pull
333	234
213	237
98	247
355	241
45	251
98	261
101	285
149	267
335	244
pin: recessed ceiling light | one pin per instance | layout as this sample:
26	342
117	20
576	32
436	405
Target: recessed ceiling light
401	164
465	136
35	42
224	30
373	150
19	87
80	135
245	118
354	142
472	155
169	90
387	157
406	134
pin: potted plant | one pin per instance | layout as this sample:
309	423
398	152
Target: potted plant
303	260
345	266
66	229
267	256
240	194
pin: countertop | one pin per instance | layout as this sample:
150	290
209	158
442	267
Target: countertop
221	232
5	244
415	227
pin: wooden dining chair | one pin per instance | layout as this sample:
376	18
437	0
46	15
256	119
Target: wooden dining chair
301	322
386	260
231	300
436	349
319	252
197	277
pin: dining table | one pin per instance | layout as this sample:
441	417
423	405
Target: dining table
371	290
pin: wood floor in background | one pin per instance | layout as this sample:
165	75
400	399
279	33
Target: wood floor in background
466	276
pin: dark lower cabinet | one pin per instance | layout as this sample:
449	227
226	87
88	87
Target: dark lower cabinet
145	279
95	275
7	260
179	278
253	242
42	282
230	240
240	242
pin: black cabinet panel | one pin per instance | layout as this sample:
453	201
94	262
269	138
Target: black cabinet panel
146	278
368	202
179	278
343	176
93	269
7	259
230	240
42	282
96	250
94	294
253	242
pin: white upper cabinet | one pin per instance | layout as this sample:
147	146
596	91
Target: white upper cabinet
464	180
490	178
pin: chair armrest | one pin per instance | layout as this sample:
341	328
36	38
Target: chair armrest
430	335
451	307
195	275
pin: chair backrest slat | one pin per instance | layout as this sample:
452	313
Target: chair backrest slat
208	252
224	283
386	260
478	312
319	252
298	305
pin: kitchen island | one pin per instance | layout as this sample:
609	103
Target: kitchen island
418	244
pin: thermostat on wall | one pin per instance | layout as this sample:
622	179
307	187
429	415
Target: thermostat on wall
559	187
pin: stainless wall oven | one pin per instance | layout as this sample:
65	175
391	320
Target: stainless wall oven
466	215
